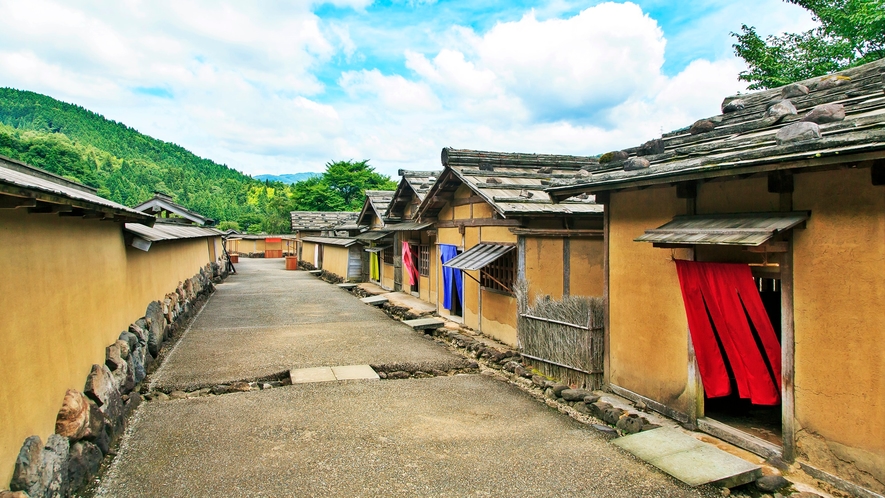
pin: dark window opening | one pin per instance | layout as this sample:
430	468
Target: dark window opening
387	255
424	260
500	274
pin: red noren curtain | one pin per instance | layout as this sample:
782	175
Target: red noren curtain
719	298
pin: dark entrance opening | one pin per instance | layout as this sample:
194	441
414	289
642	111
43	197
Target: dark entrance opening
763	422
415	252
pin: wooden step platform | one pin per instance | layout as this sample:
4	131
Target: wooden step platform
425	323
374	300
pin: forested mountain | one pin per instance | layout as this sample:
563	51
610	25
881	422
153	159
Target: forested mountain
290	178
127	166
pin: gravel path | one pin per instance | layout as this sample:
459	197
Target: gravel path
464	435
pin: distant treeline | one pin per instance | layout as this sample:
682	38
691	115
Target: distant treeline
127	166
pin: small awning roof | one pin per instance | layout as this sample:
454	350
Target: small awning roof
407	226
478	256
377	249
373	235
746	229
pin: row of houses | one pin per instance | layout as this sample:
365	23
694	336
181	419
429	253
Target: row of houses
739	264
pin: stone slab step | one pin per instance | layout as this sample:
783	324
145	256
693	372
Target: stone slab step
374	300
347	286
688	459
332	374
315	272
425	323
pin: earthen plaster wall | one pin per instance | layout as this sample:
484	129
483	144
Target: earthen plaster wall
648	330
70	286
839	281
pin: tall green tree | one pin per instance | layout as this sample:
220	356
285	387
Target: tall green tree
851	33
351	179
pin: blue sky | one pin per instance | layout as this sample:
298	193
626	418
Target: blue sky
285	86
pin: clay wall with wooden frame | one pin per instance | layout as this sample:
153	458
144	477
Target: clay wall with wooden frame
335	259
67	306
834	387
489	311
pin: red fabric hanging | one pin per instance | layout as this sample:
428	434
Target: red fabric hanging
726	290
409	264
714	376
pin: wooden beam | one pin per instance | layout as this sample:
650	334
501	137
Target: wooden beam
473	199
50	209
780	182
479	222
877	172
558	232
770	247
686	190
8	202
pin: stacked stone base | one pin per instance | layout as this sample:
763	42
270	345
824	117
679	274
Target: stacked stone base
89	422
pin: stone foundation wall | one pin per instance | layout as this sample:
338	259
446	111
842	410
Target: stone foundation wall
90	421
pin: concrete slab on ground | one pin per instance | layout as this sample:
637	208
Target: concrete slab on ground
372	289
425	323
355	372
689	460
311	375
415	304
347	285
374	300
467	435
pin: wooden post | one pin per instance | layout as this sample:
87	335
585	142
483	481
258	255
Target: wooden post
566	266
695	387
788	342
606	236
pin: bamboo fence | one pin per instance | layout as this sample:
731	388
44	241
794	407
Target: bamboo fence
563	339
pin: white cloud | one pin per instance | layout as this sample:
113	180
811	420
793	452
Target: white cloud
394	92
260	85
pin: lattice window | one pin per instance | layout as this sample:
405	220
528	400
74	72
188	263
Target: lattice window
500	274
387	254
424	260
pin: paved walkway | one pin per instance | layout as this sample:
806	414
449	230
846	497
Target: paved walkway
464	435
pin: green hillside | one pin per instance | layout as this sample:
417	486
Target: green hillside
127	166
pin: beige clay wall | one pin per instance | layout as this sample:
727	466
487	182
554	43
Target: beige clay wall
386	274
335	260
587	267
648	329
840	326
544	267
307	252
62	307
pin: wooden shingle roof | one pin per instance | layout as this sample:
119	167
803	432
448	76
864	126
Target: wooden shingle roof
321	220
375	204
512	183
412	184
817	122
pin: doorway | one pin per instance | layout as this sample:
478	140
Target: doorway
763	422
414	252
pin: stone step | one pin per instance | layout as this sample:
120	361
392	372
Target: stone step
425	323
688	459
315	272
374	300
347	286
332	374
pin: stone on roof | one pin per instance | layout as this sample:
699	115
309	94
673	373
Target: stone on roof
841	115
